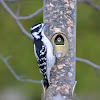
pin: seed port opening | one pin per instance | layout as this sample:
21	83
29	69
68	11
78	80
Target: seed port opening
59	40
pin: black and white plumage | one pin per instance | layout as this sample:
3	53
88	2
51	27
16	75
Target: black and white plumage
44	52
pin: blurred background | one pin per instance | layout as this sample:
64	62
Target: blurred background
14	43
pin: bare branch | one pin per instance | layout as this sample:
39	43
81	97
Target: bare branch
16	19
31	16
12	0
97	72
14	74
18	9
23	30
88	62
92	5
89	2
82	1
96	67
7	58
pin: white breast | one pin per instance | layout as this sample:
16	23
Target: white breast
50	57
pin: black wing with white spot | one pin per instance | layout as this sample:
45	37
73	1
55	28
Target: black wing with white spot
40	53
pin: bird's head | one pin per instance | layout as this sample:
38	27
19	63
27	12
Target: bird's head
36	30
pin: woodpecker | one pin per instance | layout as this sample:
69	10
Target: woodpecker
43	50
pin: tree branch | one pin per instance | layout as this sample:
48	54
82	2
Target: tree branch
82	1
89	2
96	67
14	74
97	72
38	82
88	62
92	5
31	16
12	0
16	19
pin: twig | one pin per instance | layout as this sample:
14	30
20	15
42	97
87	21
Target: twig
18	9
31	16
97	72
89	2
95	67
23	30
12	0
38	82
92	5
88	62
82	1
15	18
14	74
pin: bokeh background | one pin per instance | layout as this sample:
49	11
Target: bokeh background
14	43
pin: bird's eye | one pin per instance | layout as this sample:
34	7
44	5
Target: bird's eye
35	30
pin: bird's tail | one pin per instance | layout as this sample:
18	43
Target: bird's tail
45	83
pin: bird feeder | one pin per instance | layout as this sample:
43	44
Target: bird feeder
61	43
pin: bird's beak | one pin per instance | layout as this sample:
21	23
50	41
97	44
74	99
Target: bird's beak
44	25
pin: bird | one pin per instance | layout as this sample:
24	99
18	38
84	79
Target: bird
43	50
